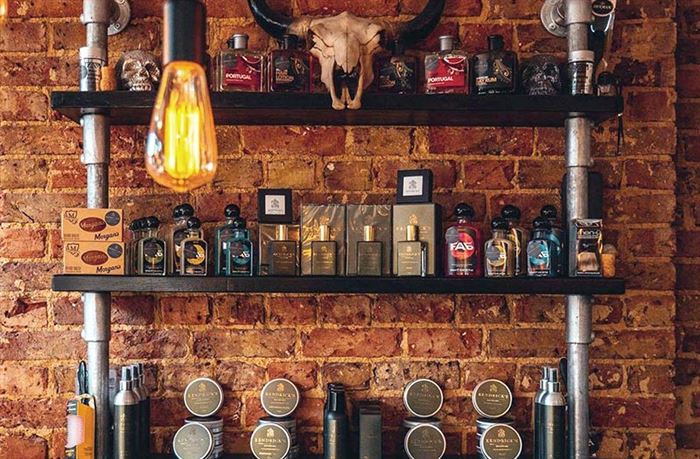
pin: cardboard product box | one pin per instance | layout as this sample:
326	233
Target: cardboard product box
587	237
357	217
99	225
83	257
428	219
266	233
312	216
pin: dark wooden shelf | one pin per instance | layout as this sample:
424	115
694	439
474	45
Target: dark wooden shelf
134	108
348	285
250	456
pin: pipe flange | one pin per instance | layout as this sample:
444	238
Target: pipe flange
121	15
553	17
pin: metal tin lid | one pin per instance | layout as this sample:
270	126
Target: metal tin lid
203	397
484	423
501	442
581	56
270	441
279	397
492	398
286	422
413	421
423	398
193	441
213	423
425	441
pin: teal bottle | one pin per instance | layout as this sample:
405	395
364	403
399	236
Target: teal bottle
543	252
223	233
556	235
238	250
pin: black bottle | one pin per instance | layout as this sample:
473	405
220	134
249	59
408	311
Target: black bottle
494	71
126	419
397	73
289	67
335	424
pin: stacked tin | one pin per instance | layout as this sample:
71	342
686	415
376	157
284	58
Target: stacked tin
422	431
279	398
496	437
202	436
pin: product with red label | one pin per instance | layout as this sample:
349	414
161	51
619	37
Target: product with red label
463	245
446	71
238	68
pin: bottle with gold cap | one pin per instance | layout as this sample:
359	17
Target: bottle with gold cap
412	256
324	252
283	253
369	254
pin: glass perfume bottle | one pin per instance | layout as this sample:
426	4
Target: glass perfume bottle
397	73
494	71
136	228
193	250
223	233
369	254
556	234
238	250
289	67
412	254
519	236
463	245
240	69
499	253
542	251
283	253
151	250
324	253
446	71
175	234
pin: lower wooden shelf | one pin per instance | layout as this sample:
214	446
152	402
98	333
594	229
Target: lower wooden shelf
250	456
341	285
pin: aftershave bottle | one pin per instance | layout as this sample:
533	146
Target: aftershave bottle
369	254
463	245
289	67
519	236
446	71
151	250
324	253
283	253
223	233
412	256
499	252
542	250
238	250
494	71
193	250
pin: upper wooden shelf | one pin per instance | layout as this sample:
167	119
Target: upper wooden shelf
134	108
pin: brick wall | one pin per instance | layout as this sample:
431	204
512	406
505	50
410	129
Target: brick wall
458	340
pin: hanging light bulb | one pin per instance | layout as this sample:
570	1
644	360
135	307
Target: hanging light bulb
4	10
181	148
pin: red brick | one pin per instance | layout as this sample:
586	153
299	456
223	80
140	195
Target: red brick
30	141
394	375
689	146
654	242
40	345
33	413
380	141
240	375
688	436
239	8
167	411
23	173
605	377
176	376
489	175
688	114
461	8
550	142
650	379
444	343
291	310
413	309
540	173
37	71
449	201
239	174
639	208
23	312
650	310
432	42
644	39
45	8
354	376
370	8
24	446
22	242
644	412
474	38
642	72
632	344
537	308
514	9
22	207
650	276
475	372
23	105
23	37
650	106
607	310
344	342
527	342
687	308
348	175
482	310
210	206
29	276
295	174
127	310
239	310
658	175
71	35
244	343
529	204
481	141
292	141
345	310
19	379
193	310
150	344
643	444
303	374
533	38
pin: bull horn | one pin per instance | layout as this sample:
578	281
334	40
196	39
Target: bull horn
272	22
421	26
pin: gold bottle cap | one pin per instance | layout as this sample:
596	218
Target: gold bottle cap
368	233
411	232
324	233
281	233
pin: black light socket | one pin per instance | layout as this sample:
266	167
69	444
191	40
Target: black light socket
184	31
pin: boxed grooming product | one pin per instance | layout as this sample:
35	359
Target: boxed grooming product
427	217
330	218
370	429
267	233
99	225
587	237
358	217
275	205
93	258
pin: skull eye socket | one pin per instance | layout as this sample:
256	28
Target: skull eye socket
151	67
131	66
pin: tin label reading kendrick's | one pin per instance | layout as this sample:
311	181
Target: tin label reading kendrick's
203	397
492	398
425	441
501	442
270	441
279	398
423	398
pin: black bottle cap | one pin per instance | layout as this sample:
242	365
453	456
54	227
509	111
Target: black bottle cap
183	210
239	223
499	223
193	223
133	226
336	398
549	211
232	211
541	223
463	210
152	222
510	212
289	41
495	42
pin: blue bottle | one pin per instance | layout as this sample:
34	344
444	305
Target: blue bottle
556	234
238	250
543	252
223	233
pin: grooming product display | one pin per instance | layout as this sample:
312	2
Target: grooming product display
499	251
425	441
98	225
463	245
549	417
324	253
411	254
483	424
203	397
283	254
336	435
519	236
501	441
126	419
581	72
426	217
268	237
289	67
543	253
270	441
93	242
492	398
421	434
193	250
144	406
366	227
222	235
105	258
494	71
323	240
369	429
193	441
279	398
446	71
80	410
150	249
397	73
423	398
238	68
587	236
175	234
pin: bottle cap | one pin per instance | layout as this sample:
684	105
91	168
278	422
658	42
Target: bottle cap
238	41
324	233
193	223
510	212
541	223
281	233
492	398
549	212
232	211
495	42
411	232
279	397
142	374
368	233
336	398
136	224
289	41
398	47
239	223
152	222
607	78
126	382
447	42
499	223
183	210
136	374
463	210
423	398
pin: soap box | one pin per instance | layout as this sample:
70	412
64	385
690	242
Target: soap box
93	258
103	225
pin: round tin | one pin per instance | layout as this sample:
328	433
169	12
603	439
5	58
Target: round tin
483	424
270	441
423	398
492	398
293	452
203	397
288	423
279	397
425	441
215	424
412	422
501	442
193	441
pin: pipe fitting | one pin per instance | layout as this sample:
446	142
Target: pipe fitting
578	142
96	11
578	12
95	139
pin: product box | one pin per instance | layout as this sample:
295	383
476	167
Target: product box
312	216
369	429
587	237
104	225
359	216
275	205
266	233
93	258
428	219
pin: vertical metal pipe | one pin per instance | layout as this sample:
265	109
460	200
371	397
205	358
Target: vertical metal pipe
97	306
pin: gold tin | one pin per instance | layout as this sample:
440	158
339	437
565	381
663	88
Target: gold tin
193	441
270	441
279	398
501	442
425	441
203	397
423	398
492	398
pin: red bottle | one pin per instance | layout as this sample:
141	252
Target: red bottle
463	246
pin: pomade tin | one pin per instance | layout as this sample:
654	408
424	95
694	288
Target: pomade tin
425	441
279	397
193	441
492	398
501	442
423	398
270	441
203	397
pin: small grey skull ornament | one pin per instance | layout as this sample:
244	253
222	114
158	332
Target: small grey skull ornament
541	76
138	71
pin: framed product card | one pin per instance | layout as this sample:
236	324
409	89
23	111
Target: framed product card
415	187
275	205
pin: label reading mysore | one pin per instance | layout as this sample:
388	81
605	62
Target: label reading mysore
501	442
423	398
492	398
279	398
270	441
425	441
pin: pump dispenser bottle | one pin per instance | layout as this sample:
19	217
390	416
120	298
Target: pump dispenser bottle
550	431
335	424
126	411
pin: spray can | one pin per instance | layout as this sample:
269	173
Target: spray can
126	405
552	428
537	413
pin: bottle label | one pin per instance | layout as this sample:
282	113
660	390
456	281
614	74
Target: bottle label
539	261
445	72
195	254
283	258
410	259
153	254
497	259
290	73
397	75
240	254
243	72
369	259
178	237
323	259
462	254
493	75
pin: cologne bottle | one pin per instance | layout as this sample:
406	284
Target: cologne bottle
494	71
151	250
369	254
499	252
397	73
193	250
176	233
556	234
463	245
136	228
223	233
289	67
283	253
238	250
412	256
126	418
542	251
446	71
519	236
336	441
324	253
240	69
